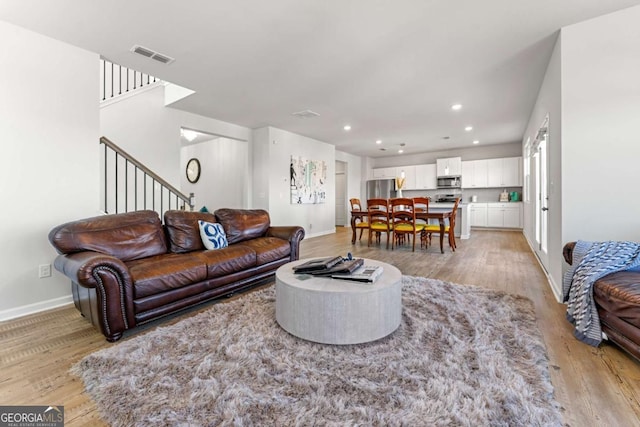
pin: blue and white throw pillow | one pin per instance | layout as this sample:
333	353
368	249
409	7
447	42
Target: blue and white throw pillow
212	235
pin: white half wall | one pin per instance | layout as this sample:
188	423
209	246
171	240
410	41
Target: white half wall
49	127
150	132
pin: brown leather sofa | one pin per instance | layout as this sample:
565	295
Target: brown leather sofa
617	298
128	269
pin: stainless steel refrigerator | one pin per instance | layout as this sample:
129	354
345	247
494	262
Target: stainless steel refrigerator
381	189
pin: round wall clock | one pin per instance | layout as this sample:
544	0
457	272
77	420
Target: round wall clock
193	170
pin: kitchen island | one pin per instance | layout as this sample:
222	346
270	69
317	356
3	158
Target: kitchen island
462	229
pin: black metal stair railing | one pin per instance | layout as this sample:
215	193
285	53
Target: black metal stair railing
130	186
118	80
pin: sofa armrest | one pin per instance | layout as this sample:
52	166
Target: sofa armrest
110	277
567	252
292	234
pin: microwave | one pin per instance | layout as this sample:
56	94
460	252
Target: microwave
450	182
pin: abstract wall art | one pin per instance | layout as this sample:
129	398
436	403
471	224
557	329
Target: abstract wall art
307	180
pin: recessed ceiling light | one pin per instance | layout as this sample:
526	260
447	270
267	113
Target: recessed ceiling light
347	127
401	151
379	142
476	142
469	128
456	107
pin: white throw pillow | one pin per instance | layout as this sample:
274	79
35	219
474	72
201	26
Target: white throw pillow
212	235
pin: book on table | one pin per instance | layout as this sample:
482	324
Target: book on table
364	273
316	267
317	264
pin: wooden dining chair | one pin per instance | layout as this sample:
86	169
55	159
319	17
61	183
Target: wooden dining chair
448	229
421	205
379	222
362	224
403	220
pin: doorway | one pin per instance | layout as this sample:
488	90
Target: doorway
341	193
541	192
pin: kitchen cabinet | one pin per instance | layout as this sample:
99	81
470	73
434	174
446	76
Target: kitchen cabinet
450	166
478	214
409	177
504	172
383	173
474	174
426	178
504	215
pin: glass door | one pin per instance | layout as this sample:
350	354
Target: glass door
541	196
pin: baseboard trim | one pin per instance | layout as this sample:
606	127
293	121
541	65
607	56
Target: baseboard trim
321	233
25	310
552	283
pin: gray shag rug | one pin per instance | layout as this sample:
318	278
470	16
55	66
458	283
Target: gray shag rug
461	356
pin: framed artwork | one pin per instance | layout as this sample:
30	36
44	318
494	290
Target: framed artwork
307	179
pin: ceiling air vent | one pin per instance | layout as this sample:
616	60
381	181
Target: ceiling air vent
306	114
152	54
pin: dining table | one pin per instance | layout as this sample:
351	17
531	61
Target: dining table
440	216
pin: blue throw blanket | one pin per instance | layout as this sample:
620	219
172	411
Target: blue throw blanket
592	261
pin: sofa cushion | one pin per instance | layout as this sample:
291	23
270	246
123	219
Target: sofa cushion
126	236
161	273
183	231
268	249
212	235
619	294
228	260
243	224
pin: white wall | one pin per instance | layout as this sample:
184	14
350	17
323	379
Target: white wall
600	144
355	178
150	132
274	149
49	166
261	168
594	107
549	103
224	173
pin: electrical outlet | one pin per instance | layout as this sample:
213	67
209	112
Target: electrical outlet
44	270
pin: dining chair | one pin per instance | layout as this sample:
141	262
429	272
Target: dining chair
449	229
379	222
421	205
361	223
403	220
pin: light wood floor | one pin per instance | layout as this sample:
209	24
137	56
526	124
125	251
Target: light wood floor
595	386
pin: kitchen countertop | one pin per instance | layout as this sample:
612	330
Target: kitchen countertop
438	205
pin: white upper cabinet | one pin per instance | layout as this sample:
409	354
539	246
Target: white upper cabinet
450	166
505	172
474	174
383	173
409	176
512	171
426	178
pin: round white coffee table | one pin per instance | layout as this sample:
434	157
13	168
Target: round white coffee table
334	311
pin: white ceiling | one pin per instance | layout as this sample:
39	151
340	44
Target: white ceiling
391	69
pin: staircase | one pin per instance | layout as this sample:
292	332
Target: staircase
128	185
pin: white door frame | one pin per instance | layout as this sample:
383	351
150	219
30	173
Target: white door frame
540	194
